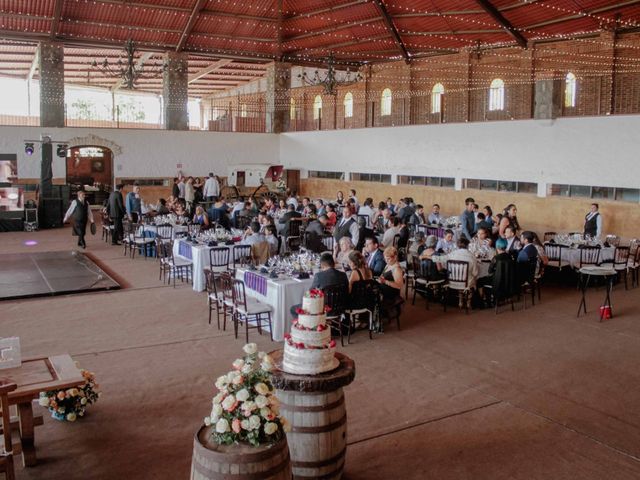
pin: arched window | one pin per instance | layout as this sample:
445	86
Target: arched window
570	90
243	110
292	108
385	102
348	105
317	107
436	98
496	95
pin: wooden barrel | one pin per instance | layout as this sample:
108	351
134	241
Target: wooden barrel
238	462
318	436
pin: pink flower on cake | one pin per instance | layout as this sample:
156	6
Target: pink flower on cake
332	344
300	311
321	328
315	293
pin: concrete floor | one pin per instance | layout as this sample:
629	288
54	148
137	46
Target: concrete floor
536	394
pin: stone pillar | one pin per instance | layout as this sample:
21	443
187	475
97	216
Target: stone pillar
278	97
175	91
51	67
548	99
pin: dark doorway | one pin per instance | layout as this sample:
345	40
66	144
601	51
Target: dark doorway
90	167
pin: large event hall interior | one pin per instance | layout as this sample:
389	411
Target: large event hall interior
425	212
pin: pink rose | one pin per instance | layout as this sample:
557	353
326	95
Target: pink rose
235	425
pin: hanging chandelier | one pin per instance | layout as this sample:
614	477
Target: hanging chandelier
330	81
128	69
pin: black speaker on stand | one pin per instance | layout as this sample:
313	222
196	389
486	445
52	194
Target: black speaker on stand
50	213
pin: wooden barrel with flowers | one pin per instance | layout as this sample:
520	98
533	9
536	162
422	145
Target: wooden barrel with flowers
314	407
212	461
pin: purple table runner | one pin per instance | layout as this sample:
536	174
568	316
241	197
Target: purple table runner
256	282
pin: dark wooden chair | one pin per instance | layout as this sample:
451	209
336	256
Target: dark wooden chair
215	296
171	265
365	299
241	256
621	263
336	298
424	285
589	256
6	453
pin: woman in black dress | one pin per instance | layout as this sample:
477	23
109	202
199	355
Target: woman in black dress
80	211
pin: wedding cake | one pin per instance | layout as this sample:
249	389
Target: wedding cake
308	349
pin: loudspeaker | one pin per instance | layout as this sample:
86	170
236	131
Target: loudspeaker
50	214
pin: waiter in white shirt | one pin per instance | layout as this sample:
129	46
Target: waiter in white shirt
593	222
80	211
211	188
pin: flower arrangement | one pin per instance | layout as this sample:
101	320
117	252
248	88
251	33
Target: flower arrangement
245	409
69	404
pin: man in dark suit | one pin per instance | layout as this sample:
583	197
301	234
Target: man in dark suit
328	276
375	257
116	213
364	232
314	234
286	219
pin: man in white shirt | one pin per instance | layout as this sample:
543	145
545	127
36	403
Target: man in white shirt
434	217
593	222
211	188
463	254
253	235
366	209
446	244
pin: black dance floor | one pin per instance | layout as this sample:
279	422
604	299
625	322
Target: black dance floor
26	275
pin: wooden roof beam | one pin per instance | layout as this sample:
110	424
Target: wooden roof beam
393	31
255	18
315	33
595	11
207	70
498	17
34	65
320	11
57	13
195	13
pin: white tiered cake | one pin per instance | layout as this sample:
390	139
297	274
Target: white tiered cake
308	349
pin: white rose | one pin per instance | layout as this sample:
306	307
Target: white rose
43	401
83	401
216	409
247	368
229	402
218	398
265	412
261	355
71	417
221	382
261	401
254	422
231	376
250	348
207	421
238	363
243	395
270	428
248	407
245	424
222	426
267	367
261	388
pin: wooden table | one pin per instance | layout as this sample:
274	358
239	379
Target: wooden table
37	375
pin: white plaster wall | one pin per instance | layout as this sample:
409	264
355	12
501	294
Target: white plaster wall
597	151
151	153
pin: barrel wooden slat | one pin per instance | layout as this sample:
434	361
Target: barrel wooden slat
238	462
318	436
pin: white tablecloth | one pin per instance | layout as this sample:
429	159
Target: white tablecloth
199	255
281	295
176	229
572	255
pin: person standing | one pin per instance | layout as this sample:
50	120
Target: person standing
80	211
133	204
211	188
189	193
593	222
346	228
175	191
116	212
468	219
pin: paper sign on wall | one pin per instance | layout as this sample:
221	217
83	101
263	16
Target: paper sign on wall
10	352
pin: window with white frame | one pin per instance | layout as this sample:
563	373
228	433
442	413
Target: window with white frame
348	105
385	102
496	95
317	107
436	98
570	90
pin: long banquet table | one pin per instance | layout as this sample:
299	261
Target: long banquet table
280	294
199	256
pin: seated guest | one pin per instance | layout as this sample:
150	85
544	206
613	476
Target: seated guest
377	213
364	232
434	217
403	231
509	219
417	246
418	217
405	210
342	257
392	279
286	219
481	222
272	239
218	212
359	269
162	207
543	260
513	244
374	256
391	206
340	198
391	232
434	270
238	206
314	233
181	209
328	275
253	235
462	253
303	208
320	208
270	208
282	208
332	217
481	240
367	209
503	273
527	257
200	217
488	215
446	244
292	199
